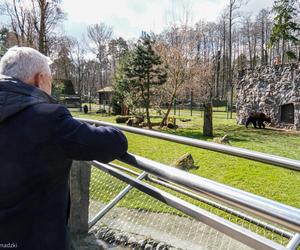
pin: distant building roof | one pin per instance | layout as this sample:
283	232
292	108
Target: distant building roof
106	90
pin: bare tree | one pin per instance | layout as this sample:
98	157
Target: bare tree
176	47
62	64
100	36
20	21
33	22
234	5
79	62
45	16
262	22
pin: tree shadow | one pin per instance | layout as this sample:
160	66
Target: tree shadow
236	133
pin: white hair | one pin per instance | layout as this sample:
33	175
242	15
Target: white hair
24	63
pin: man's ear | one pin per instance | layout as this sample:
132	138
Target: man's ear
37	80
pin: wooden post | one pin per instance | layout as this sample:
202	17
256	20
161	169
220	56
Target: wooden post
208	123
191	102
174	106
79	191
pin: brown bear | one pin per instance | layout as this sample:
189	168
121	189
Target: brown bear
258	118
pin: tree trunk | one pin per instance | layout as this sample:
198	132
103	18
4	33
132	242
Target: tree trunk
217	74
282	51
148	117
224	78
231	100
165	118
262	49
254	52
208	122
250	51
148	104
230	83
42	31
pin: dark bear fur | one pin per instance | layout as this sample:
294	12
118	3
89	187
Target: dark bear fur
258	118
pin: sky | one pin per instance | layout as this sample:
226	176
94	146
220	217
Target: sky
130	17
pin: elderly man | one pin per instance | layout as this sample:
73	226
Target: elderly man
38	141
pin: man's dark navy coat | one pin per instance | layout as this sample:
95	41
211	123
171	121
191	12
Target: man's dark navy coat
38	141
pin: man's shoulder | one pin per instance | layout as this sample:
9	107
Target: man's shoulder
49	110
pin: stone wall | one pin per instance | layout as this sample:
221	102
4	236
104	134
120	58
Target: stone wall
266	89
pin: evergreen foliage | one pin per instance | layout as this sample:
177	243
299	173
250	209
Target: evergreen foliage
138	72
121	93
285	28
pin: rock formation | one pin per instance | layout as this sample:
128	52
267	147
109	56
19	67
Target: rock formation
274	90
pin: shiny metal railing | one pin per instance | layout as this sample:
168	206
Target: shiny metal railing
271	210
229	150
286	216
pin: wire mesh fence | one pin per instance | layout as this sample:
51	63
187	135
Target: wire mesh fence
232	214
140	221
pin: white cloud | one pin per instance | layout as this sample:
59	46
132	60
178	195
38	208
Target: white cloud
130	17
136	16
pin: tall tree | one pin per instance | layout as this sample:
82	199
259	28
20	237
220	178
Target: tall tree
79	62
125	95
285	27
176	47
100	35
46	15
33	22
117	48
20	22
234	5
263	21
62	64
144	70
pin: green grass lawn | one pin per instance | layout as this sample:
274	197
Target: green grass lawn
269	181
265	180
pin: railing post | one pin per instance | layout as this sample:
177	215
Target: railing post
79	191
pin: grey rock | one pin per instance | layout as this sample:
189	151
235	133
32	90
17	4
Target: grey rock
132	241
185	162
101	233
143	243
161	246
148	247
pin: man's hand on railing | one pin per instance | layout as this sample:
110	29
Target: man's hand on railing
80	141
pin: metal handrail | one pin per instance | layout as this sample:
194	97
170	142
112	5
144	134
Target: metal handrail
210	202
276	212
271	210
230	150
235	231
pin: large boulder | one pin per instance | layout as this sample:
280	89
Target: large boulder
135	121
122	118
185	162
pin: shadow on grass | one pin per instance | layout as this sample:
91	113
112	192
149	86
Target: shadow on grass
236	133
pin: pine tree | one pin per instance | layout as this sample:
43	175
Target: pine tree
145	70
285	26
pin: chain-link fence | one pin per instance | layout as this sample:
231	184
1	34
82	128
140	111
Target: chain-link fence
140	221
